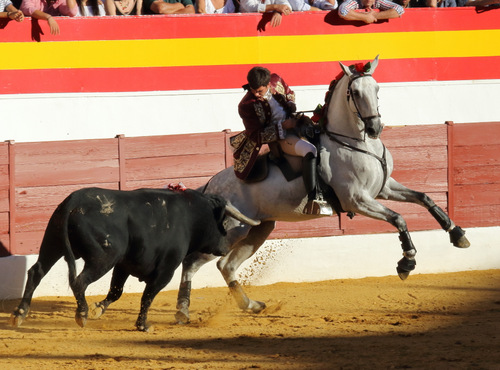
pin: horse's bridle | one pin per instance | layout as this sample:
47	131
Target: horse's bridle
333	136
350	94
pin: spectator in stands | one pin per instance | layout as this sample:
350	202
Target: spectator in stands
123	7
411	3
308	5
284	7
170	6
8	10
441	3
217	6
481	3
350	10
276	7
88	8
48	9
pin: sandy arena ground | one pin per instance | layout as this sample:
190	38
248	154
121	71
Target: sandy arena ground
441	321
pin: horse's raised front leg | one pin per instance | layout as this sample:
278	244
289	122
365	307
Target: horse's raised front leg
397	192
190	266
229	264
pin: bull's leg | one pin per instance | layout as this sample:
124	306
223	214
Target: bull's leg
229	264
115	291
150	292
35	275
89	274
190	266
397	192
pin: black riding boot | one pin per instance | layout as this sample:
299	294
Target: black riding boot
315	204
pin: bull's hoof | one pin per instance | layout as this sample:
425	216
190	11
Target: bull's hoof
81	318
146	328
457	237
256	306
16	320
96	310
17	317
405	266
182	316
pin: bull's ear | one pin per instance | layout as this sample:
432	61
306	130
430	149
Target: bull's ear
218	205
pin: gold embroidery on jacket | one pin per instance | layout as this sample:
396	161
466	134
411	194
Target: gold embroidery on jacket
241	162
269	135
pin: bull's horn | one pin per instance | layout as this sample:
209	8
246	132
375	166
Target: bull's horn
234	212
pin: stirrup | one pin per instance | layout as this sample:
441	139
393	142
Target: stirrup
317	207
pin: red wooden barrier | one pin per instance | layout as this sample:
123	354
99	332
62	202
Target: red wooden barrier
458	165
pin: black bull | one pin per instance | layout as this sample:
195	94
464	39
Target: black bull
145	233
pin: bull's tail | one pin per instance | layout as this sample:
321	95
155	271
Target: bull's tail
68	251
56	239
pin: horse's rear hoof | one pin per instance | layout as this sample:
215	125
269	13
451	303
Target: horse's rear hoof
182	317
457	237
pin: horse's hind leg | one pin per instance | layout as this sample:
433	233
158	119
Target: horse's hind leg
115	292
36	273
397	192
229	264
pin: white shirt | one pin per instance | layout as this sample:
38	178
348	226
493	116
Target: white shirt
227	8
257	6
87	9
278	114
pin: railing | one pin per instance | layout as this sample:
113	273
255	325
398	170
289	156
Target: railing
456	164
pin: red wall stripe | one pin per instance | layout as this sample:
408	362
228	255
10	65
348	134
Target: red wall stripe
226	77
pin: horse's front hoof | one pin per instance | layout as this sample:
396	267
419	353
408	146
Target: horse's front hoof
256	306
182	316
403	275
457	237
405	266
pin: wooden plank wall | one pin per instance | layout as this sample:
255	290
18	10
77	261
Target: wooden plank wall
476	174
4	199
36	177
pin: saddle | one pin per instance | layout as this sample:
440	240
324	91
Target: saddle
305	129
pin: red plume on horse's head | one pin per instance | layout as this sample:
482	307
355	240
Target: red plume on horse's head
359	68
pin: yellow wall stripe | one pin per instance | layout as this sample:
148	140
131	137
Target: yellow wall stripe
248	50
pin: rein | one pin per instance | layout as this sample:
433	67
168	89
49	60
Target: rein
382	160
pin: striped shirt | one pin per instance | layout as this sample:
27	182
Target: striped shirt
348	5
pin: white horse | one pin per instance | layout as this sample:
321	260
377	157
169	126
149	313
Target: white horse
353	162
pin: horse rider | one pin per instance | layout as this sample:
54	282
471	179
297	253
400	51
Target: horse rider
267	113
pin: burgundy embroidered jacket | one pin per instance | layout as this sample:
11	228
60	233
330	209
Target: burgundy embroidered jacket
259	130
